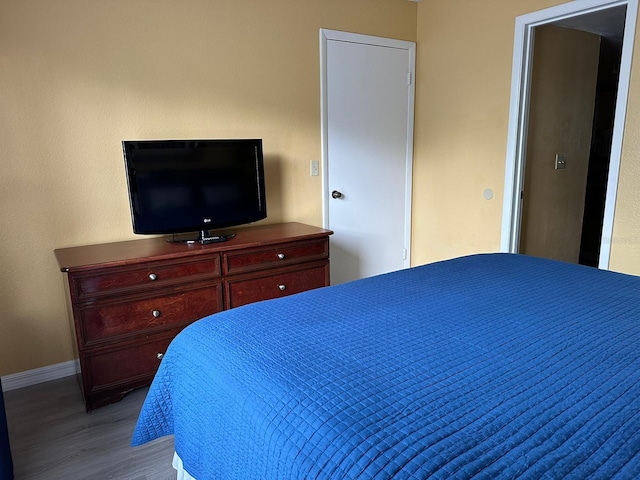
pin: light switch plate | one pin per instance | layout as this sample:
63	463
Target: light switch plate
315	168
561	161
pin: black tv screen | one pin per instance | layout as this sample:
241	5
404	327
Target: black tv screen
180	186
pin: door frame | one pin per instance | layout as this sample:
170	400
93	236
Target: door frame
519	113
325	36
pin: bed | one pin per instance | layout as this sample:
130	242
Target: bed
485	366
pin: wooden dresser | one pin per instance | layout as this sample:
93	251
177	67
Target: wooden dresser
129	299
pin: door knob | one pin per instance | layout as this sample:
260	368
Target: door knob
336	194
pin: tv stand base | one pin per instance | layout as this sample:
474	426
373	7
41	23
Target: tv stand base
205	237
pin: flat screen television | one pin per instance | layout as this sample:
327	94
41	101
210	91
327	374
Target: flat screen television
178	186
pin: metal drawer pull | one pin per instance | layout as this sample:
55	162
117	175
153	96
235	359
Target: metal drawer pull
282	287
152	276
159	356
281	256
155	313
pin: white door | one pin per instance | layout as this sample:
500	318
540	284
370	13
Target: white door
367	137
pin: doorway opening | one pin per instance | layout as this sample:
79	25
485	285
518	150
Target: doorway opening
614	22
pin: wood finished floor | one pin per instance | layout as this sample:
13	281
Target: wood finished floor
52	437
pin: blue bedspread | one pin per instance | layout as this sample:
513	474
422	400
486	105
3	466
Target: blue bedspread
487	366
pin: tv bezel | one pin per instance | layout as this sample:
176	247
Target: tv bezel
206	231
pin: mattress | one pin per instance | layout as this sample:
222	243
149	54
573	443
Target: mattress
486	366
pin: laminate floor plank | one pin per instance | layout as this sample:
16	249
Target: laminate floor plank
52	437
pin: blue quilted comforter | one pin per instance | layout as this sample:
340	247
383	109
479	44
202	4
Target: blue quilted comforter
487	366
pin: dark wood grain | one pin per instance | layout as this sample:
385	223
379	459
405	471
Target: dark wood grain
103	321
274	256
114	373
251	288
123	253
116	280
129	299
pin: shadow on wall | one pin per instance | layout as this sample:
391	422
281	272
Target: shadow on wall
274	189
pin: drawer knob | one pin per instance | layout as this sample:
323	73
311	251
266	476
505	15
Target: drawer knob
159	356
153	276
155	313
282	287
281	256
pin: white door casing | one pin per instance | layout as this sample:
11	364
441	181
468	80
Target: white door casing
367	104
519	113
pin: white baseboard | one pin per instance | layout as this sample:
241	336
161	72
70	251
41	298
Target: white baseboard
40	375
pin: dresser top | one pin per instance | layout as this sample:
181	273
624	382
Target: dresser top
132	251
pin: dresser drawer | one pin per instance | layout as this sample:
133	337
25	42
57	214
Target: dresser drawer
248	290
132	365
103	321
144	276
272	257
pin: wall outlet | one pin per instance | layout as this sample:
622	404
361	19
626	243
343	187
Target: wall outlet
315	168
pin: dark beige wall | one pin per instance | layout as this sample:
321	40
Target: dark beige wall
565	70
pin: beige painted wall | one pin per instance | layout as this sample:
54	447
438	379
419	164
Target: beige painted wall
79	76
563	90
465	53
